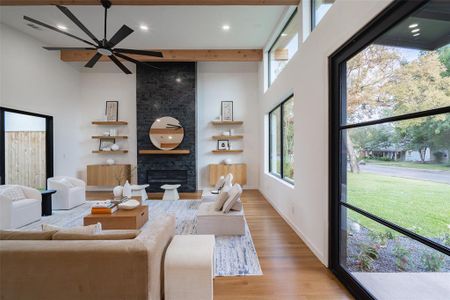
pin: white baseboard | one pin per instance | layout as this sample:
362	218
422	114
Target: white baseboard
300	234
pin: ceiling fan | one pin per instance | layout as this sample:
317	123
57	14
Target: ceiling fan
103	47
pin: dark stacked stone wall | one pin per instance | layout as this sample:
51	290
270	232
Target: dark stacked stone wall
167	92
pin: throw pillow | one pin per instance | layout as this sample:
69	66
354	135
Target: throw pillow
220	183
66	182
234	196
14	193
237	206
26	235
90	229
105	235
220	200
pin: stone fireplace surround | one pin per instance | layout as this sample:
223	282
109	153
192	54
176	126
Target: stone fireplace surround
167	92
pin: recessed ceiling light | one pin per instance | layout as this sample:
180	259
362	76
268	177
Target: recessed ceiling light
143	27
284	34
413	25
416	34
61	27
415	30
226	27
178	79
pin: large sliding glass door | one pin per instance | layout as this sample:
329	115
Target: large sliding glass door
389	155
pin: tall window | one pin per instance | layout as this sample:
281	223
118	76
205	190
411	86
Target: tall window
318	9
281	140
284	47
390	151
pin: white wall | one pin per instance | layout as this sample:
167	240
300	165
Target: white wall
218	82
96	88
35	80
305	206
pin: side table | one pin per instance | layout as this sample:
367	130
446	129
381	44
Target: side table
46	204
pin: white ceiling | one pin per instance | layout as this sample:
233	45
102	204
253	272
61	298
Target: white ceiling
171	27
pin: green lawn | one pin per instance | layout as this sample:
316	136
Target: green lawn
421	206
409	164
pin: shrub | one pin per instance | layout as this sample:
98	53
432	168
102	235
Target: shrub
381	238
401	257
367	255
432	261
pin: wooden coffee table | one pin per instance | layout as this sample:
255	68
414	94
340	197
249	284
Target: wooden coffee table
121	219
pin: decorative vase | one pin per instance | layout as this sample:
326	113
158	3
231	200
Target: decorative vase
127	190
110	161
227	161
115	147
117	191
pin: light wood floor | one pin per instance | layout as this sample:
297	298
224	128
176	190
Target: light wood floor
291	271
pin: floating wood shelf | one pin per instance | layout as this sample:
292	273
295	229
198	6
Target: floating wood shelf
110	137
227	151
228	122
228	137
110	123
159	152
110	152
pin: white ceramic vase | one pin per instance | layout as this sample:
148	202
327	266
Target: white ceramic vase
117	191
110	161
115	147
127	189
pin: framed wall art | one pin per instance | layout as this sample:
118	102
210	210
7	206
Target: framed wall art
112	111
226	110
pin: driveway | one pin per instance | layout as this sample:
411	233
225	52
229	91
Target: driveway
429	175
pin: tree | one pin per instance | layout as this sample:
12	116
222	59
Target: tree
367	73
417	86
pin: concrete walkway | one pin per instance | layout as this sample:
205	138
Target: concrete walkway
419	174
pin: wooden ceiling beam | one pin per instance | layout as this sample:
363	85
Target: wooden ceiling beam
175	55
151	2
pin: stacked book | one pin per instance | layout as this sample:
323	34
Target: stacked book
104	207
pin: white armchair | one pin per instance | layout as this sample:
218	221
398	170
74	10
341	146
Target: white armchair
70	192
19	206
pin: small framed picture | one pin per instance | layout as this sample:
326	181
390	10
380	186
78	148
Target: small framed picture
226	110
223	145
112	111
106	143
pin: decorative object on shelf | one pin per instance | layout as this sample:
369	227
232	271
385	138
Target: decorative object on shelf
110	161
112	111
166	133
227	161
226	111
130	204
113	132
127	190
231	131
226	133
118	192
106	133
106	143
115	147
223	145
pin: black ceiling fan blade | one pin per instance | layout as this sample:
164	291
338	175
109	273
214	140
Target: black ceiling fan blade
119	64
57	30
121	34
67	48
93	60
130	59
77	22
140	52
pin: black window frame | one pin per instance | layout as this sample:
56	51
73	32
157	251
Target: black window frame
391	16
281	133
269	69
49	164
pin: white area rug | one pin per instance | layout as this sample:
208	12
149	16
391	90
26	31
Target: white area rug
235	255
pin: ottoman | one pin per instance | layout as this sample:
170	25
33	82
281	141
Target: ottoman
189	268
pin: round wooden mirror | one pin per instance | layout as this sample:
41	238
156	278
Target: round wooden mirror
166	133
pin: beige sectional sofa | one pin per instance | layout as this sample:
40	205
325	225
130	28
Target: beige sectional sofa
87	269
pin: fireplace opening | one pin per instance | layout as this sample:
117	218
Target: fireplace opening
156	178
